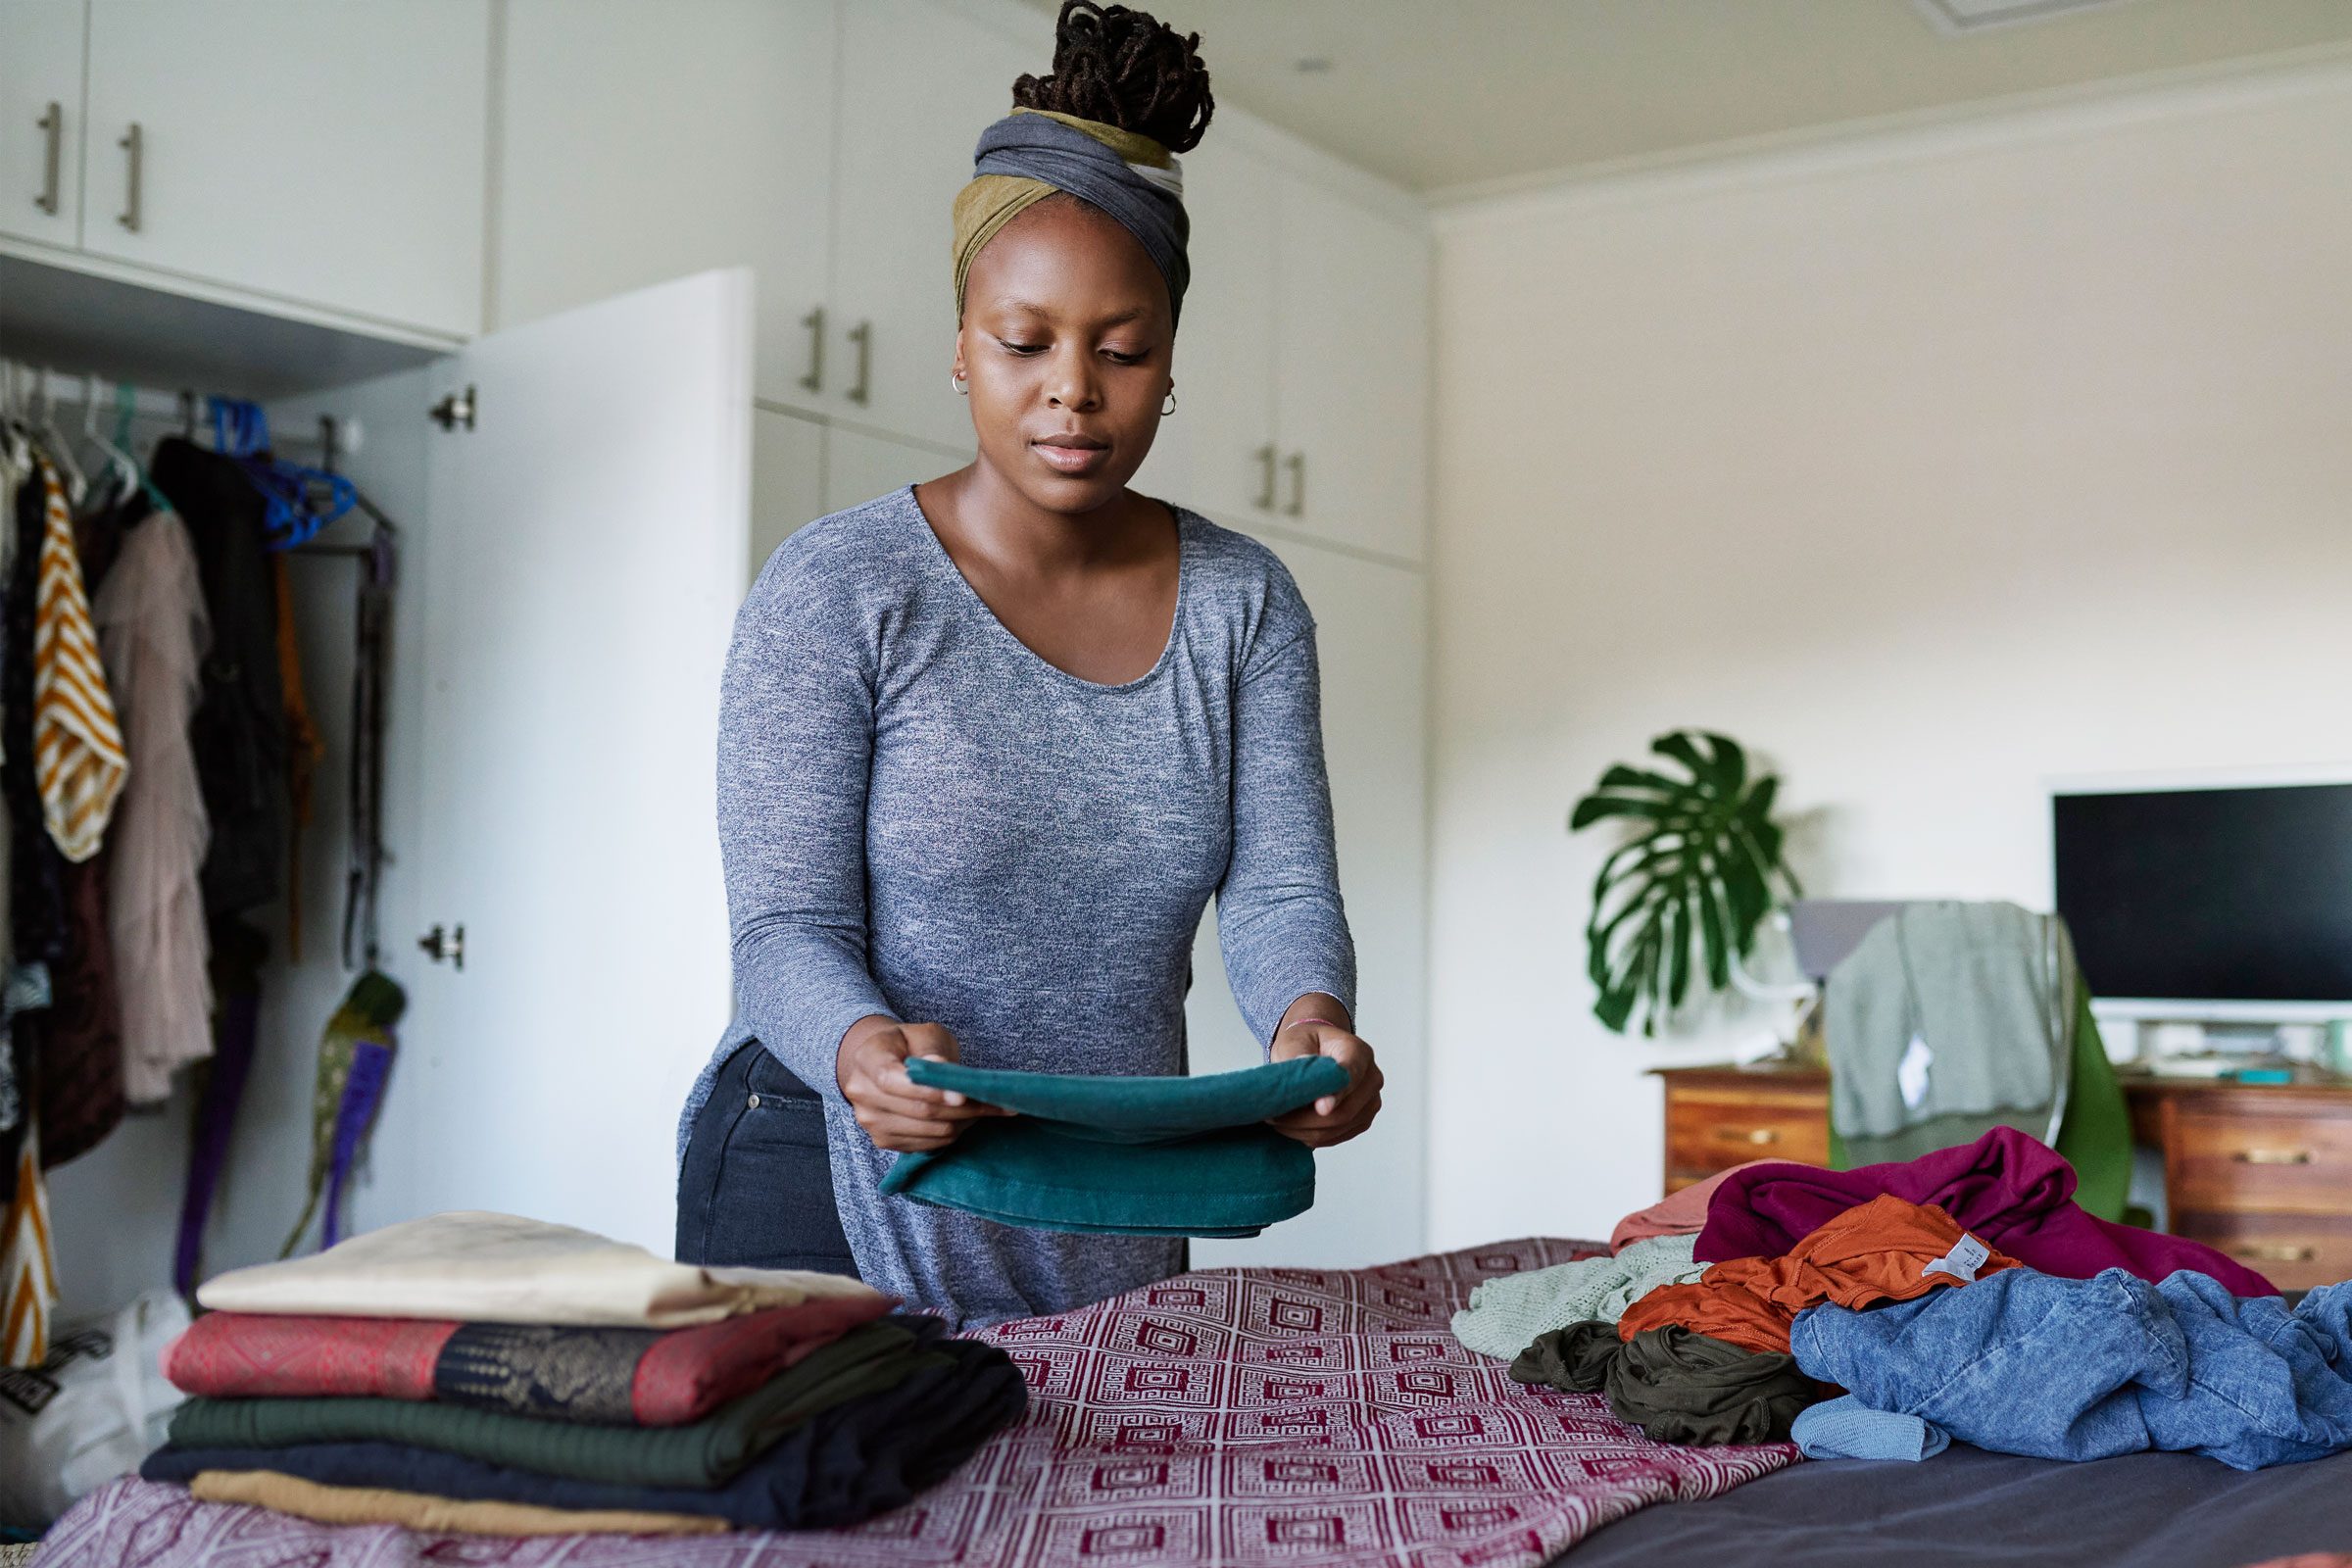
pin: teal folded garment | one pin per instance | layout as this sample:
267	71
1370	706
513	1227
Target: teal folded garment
1130	1156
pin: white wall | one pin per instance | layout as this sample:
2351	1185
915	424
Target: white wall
1932	466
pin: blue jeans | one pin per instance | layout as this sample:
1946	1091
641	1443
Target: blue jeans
756	1188
2024	1362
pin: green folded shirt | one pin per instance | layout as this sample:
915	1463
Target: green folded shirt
1131	1157
708	1452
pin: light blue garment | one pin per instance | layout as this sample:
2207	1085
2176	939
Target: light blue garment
922	817
2025	1362
1849	1428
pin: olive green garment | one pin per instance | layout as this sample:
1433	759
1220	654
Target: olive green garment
1676	1386
1129	1157
708	1452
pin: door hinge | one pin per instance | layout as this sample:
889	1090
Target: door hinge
455	410
445	946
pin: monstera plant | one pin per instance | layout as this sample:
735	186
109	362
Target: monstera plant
1689	890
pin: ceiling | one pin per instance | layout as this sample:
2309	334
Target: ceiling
1469	93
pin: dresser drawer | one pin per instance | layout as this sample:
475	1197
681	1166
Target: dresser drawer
2292	1160
1707	1129
2293	1251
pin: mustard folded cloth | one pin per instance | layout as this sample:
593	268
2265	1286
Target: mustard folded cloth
413	1510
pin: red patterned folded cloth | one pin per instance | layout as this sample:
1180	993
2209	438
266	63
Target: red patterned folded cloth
614	1376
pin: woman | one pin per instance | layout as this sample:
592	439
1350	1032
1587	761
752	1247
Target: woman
989	744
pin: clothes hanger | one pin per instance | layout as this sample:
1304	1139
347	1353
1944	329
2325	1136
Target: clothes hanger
294	492
54	444
125	405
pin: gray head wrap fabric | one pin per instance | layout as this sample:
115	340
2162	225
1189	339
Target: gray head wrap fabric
1128	175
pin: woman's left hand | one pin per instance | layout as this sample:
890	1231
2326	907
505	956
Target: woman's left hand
1334	1119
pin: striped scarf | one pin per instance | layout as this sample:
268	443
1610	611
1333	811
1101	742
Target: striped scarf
76	745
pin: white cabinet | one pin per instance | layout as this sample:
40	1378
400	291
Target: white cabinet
41	120
1213	454
331	156
1351	396
788	479
731	165
1372	638
860	467
918	83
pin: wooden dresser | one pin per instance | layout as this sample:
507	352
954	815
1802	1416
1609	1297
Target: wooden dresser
2261	1171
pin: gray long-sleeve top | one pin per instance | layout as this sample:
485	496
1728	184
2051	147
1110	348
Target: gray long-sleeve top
922	817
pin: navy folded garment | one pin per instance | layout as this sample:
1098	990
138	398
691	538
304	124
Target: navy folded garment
840	1467
1131	1156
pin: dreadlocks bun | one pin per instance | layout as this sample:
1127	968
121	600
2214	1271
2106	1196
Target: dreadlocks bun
1124	68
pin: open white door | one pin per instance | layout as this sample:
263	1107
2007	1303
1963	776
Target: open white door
588	535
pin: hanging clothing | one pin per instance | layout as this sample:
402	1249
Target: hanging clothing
355	1057
77	744
28	1264
79	1041
238	952
239	728
153	632
306	748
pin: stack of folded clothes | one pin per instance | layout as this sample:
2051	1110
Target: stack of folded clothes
477	1372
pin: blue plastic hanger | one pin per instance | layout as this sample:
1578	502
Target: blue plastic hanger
299	499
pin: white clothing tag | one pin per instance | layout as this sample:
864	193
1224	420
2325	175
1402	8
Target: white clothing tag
1968	1254
1911	1073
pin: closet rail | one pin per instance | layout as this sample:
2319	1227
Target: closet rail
41	385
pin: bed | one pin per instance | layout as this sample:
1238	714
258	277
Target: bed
1313	1418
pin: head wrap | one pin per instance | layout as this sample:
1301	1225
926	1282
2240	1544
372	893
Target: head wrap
1032	153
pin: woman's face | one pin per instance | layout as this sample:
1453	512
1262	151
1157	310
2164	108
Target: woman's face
1067	346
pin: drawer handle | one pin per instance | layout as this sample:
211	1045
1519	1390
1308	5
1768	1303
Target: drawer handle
2273	1157
1747	1135
2276	1253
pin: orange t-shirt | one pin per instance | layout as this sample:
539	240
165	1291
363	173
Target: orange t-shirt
1876	1252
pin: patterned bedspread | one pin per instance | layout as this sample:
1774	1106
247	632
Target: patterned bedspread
1236	1416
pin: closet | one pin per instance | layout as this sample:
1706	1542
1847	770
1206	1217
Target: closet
571	557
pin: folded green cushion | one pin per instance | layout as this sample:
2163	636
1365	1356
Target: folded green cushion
708	1452
1133	1157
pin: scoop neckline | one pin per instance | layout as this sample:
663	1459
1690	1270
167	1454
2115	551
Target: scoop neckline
1167	654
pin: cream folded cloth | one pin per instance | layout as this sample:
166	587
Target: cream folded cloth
413	1510
499	1269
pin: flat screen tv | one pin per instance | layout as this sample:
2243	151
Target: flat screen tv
2215	901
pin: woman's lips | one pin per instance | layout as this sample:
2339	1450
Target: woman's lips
1071	460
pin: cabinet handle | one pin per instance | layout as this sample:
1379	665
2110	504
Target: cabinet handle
2276	1253
53	128
1747	1135
1296	464
863	335
2273	1157
1265	485
134	143
814	322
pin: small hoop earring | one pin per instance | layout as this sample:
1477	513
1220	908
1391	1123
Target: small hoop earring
962	386
1169	406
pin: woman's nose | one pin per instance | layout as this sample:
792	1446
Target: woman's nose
1071	386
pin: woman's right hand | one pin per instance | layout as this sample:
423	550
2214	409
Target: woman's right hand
895	1111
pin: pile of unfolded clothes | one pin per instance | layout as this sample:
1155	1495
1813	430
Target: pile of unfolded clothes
482	1373
1883	1311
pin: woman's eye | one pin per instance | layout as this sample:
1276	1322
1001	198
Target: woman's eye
1118	358
1023	348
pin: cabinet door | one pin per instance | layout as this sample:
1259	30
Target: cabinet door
1372	638
1206	455
1351	396
586	559
41	120
919	84
788	480
859	466
339	163
593	200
